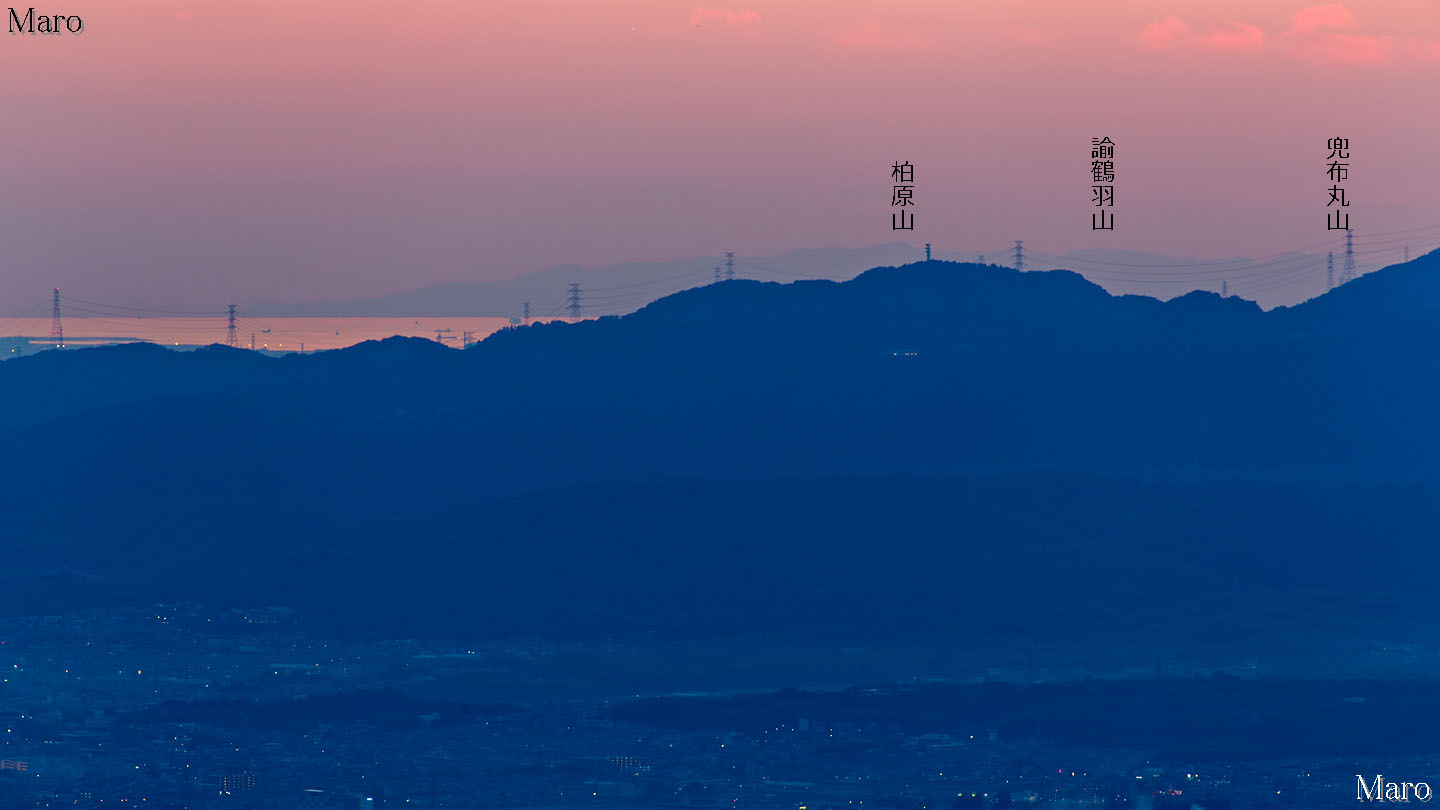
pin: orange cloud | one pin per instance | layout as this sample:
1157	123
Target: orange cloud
875	37
723	16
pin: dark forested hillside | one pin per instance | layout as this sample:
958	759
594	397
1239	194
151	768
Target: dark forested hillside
910	446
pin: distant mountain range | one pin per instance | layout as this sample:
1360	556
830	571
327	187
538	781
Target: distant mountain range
609	290
951	446
623	288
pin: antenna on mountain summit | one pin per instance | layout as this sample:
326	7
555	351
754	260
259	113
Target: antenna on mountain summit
1330	270
927	251
729	265
230	329
1020	254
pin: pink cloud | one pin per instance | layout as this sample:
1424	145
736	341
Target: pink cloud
1312	19
1173	33
1168	32
723	16
1234	36
875	37
1313	37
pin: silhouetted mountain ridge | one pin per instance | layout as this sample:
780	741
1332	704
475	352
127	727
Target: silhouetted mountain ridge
496	489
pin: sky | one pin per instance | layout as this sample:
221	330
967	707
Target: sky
185	154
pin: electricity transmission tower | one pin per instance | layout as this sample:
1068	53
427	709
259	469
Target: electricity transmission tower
1347	275
57	332
574	302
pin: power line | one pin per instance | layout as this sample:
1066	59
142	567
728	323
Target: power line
1257	259
1162	273
1267	272
753	265
651	282
33	313
146	310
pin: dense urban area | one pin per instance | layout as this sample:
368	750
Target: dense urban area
179	708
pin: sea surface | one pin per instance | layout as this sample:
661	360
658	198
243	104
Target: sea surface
282	334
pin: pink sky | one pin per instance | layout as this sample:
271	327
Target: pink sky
184	154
